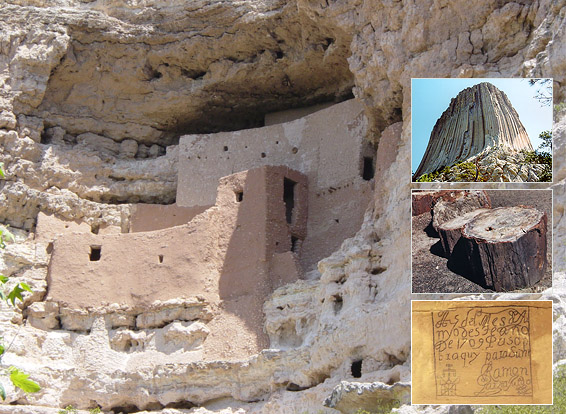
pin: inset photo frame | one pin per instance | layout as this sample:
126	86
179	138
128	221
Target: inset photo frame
481	352
481	241
481	130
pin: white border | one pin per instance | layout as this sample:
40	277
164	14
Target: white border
488	182
550	355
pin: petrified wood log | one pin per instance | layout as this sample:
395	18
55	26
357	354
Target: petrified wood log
506	247
451	231
456	203
424	200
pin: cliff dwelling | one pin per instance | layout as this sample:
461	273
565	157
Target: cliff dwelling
249	218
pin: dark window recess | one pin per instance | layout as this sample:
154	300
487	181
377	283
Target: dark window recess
368	169
357	369
338	302
289	198
294	244
45	138
239	196
95	253
160	258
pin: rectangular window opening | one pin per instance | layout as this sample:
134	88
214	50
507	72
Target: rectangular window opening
289	198
95	253
294	244
239	196
368	169
160	258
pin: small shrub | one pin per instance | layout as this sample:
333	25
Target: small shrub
384	407
68	410
463	172
17	377
542	156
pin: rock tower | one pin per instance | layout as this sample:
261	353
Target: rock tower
479	117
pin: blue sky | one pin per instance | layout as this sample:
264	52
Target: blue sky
431	97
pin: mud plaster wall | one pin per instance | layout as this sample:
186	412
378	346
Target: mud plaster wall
233	240
327	146
224	255
149	217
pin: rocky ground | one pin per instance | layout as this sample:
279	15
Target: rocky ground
93	98
495	164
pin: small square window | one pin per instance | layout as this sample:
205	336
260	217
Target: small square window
95	253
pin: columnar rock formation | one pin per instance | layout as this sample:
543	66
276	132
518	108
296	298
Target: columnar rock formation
479	117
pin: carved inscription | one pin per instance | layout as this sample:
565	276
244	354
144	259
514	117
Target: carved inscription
482	351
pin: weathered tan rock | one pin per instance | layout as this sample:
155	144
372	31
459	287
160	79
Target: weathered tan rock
368	396
386	43
496	164
129	148
147	89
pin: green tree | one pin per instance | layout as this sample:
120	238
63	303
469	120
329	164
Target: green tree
19	378
542	155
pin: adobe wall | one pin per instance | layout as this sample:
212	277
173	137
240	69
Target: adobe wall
293	114
48	227
327	146
223	255
149	217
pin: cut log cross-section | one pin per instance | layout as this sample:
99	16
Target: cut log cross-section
506	247
451	231
457	203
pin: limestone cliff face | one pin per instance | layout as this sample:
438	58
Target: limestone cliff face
479	117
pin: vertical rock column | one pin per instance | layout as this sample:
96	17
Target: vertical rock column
480	116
